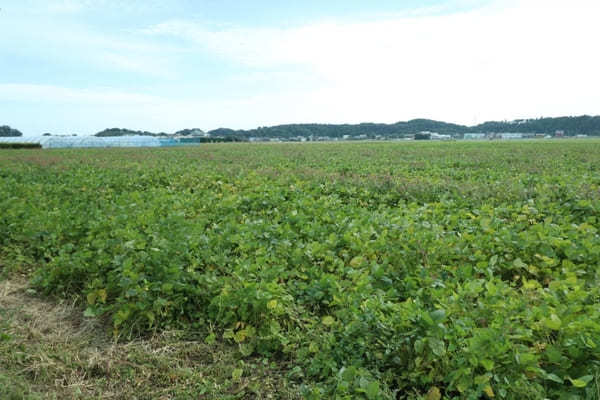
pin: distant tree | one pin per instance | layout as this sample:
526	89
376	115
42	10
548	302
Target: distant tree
123	132
47	134
190	132
7	131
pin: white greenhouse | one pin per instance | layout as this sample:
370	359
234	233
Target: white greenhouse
60	142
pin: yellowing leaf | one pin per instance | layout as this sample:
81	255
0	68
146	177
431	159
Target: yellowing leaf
356	261
91	298
236	374
433	394
328	320
272	304
489	392
102	295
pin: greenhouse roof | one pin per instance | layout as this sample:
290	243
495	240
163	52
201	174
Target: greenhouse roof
55	142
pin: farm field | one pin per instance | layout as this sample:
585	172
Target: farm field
331	270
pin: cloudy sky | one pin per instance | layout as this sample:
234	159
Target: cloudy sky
79	66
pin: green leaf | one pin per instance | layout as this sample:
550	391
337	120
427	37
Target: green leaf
487	364
274	327
236	374
328	320
437	346
372	390
582	381
246	349
438	315
348	374
554	378
210	339
89	312
553	322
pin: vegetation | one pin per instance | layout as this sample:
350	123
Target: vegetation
570	125
126	132
583	125
129	132
189	132
8	131
50	351
358	270
20	146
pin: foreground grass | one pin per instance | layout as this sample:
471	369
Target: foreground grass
49	351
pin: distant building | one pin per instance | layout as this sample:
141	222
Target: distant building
510	136
437	136
474	136
559	133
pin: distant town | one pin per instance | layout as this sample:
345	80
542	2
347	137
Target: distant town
417	129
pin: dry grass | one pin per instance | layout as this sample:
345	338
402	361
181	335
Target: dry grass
49	351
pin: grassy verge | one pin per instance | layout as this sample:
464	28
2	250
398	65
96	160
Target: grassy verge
49	351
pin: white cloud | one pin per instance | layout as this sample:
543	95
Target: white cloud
86	111
509	59
11	92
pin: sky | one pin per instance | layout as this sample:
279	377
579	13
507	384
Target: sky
79	66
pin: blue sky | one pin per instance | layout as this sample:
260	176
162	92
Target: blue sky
79	66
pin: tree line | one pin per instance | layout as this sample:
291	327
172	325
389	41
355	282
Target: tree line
571	126
7	131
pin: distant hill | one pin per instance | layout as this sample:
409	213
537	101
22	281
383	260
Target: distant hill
124	132
586	125
7	131
583	125
339	130
190	132
129	132
570	125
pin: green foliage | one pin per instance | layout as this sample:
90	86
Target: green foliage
8	131
375	270
398	129
571	125
126	132
20	146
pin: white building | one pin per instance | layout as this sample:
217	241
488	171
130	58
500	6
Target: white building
474	136
511	135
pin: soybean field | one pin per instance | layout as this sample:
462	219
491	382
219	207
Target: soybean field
398	270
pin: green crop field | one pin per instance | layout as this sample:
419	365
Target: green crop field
347	270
